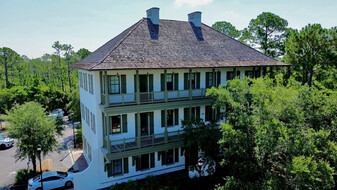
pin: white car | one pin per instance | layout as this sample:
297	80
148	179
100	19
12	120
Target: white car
6	142
51	180
57	113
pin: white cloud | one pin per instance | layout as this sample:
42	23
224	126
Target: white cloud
192	3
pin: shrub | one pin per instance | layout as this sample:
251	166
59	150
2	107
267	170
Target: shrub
24	175
78	134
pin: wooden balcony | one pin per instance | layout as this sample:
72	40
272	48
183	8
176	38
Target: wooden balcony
152	97
128	144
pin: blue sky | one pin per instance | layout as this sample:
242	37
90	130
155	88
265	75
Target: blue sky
31	26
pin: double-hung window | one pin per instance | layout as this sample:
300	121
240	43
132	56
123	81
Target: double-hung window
114	84
172	117
117	166
115	124
192	79
213	79
171	81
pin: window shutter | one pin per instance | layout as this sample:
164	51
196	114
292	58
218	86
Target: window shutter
207	80
126	165
136	122
186	114
176	116
176	81
238	74
134	80
162	82
137	163
186	85
176	155
152	163
197	113
163	158
218	79
151	83
151	123
208	111
125	123
162	118
123	81
109	168
198	80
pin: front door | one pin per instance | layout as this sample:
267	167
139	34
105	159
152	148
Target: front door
144	124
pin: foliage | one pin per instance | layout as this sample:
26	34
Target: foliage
50	98
276	136
31	126
200	136
8	59
23	175
313	49
149	183
226	28
78	134
268	32
74	106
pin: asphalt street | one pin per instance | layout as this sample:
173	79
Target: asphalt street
61	159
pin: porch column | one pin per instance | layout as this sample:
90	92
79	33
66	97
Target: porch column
254	75
165	123
106	89
213	73
190	84
264	73
138	130
271	72
137	88
165	85
108	131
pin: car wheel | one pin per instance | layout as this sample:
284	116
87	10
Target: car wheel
69	184
2	146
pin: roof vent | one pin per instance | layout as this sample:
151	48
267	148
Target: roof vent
153	15
195	18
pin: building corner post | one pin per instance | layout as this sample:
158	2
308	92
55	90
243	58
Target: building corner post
106	89
165	85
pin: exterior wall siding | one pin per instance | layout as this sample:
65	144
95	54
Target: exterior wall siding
96	169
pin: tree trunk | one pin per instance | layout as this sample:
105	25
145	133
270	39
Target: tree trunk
310	76
69	77
60	74
33	158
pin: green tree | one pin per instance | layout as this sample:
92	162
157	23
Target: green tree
268	31
276	136
82	53
311	49
226	28
8	58
58	51
31	126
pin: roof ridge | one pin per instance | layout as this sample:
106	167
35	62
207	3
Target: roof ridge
128	34
240	42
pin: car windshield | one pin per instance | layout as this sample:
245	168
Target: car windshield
54	112
62	174
2	137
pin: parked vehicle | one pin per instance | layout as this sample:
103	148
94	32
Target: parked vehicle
51	180
6	142
57	113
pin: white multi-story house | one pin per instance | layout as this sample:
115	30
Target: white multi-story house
137	88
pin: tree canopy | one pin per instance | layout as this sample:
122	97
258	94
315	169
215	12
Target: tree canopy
31	126
312	49
226	28
276	136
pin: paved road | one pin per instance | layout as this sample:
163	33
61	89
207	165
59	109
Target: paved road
61	159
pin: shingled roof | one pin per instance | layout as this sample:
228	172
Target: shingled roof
173	44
